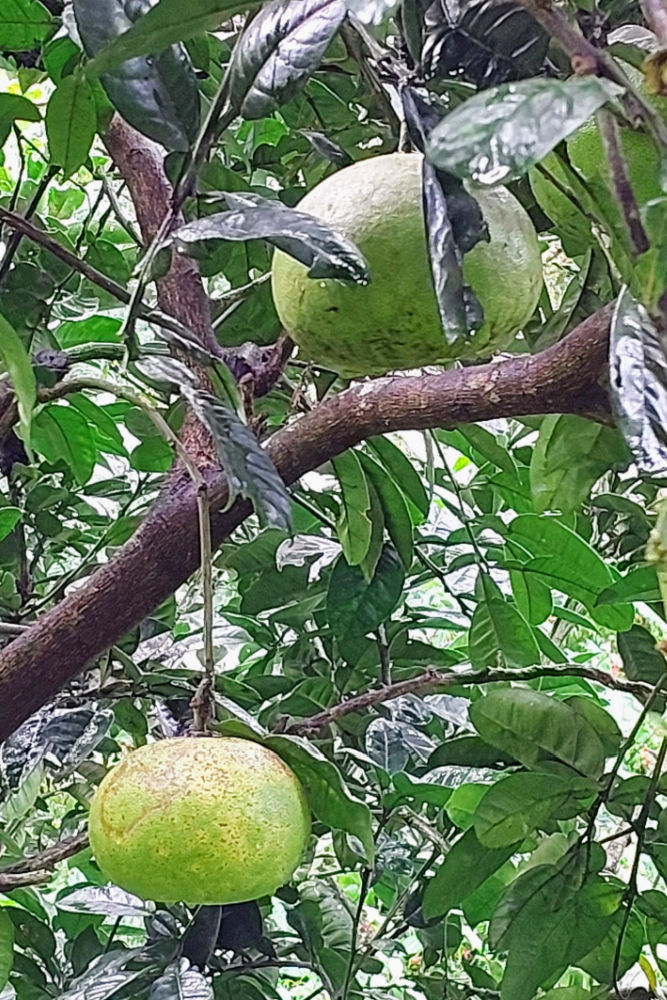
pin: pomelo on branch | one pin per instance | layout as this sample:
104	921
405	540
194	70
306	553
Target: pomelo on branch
393	322
207	821
587	157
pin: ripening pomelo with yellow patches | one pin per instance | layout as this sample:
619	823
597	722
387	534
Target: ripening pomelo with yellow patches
393	322
203	821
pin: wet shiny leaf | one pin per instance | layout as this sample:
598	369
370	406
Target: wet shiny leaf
496	136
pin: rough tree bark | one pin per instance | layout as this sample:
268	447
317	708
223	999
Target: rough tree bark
164	552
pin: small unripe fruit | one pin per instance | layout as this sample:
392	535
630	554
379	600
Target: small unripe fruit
203	821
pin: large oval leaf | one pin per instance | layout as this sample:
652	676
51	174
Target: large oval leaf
496	136
6	947
325	251
532	726
279	50
158	95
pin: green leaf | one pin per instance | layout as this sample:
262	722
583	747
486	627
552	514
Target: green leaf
157	95
71	122
180	982
519	804
396	515
15	359
546	923
639	584
497	135
405	476
168	22
61	433
354	525
6	947
483	442
570	456
641	659
499	635
532	596
24	24
467	864
356	606
14	107
9	517
567	563
249	470
532	726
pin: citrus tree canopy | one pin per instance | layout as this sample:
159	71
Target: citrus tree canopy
333	499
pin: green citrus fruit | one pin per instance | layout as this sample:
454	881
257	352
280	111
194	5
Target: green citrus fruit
394	323
200	821
586	154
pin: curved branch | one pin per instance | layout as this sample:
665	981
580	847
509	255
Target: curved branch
164	552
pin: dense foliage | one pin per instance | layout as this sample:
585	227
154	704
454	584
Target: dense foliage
453	631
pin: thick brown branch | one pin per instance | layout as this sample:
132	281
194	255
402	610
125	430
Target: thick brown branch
164	552
441	680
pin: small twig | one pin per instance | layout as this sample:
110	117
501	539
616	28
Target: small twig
202	702
155	316
238	294
9	882
385	658
50	856
620	180
356	920
433	678
15	239
632	887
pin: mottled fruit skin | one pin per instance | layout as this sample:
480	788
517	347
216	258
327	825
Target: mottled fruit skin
393	323
203	821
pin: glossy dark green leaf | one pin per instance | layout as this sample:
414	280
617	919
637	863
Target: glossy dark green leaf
404	474
24	24
532	596
71	122
519	804
499	635
16	362
167	22
14	107
570	456
327	148
639	584
250	472
546	923
500	133
278	51
394	508
532	726
354	524
489	41
454	224
61	433
158	95
639	384
325	252
180	982
641	659
6	947
566	562
356	606
467	864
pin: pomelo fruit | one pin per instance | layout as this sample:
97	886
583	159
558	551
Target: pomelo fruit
394	323
587	156
200	821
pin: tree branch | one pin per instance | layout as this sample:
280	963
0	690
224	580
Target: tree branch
431	679
164	552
